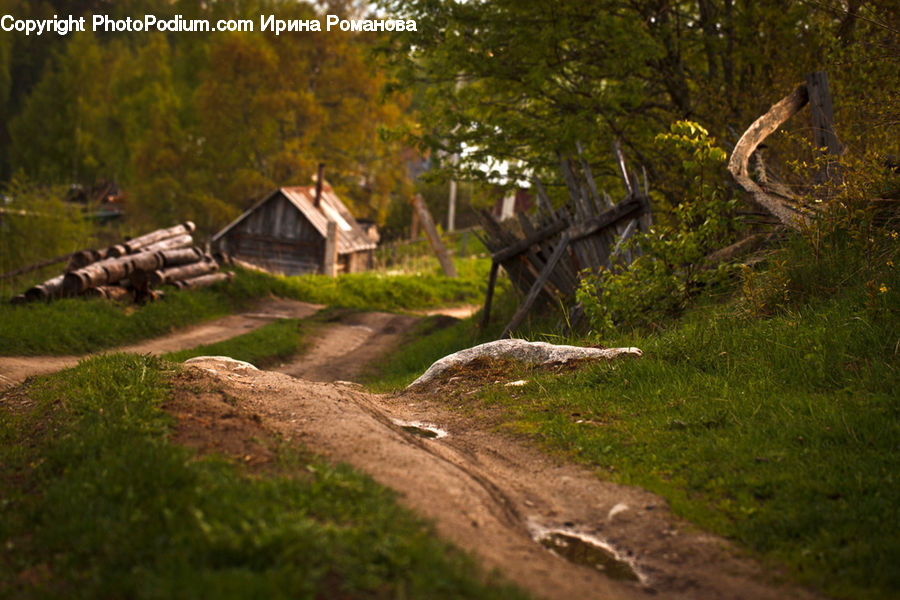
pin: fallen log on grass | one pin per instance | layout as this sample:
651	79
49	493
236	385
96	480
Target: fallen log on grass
203	281
529	352
113	270
110	292
155	237
156	277
52	288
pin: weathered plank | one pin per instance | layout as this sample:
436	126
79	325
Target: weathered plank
824	136
330	261
620	211
489	295
535	290
433	238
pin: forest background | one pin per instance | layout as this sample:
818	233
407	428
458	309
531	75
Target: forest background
199	125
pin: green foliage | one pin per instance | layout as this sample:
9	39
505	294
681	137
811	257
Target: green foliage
95	499
36	224
197	126
671	270
518	81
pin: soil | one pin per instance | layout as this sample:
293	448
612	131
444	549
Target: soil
490	494
486	492
343	349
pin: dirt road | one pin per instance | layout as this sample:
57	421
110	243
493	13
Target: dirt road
489	494
486	492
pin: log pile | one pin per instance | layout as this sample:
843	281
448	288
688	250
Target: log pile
134	269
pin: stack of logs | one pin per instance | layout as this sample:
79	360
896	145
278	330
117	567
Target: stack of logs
131	270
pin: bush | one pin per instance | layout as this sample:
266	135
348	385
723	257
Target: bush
670	271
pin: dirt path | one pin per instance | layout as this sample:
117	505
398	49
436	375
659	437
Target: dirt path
14	369
486	492
343	349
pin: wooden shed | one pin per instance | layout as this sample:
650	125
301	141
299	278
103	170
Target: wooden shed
286	232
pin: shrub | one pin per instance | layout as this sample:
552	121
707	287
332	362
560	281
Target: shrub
671	270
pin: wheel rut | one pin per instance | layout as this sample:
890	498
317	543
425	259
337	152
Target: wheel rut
493	495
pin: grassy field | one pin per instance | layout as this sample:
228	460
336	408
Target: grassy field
97	503
780	433
76	326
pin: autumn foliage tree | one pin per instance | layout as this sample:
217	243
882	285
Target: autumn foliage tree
197	126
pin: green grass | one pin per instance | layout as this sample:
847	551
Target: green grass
780	433
97	503
76	326
262	347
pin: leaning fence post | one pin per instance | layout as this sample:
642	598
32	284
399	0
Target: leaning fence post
436	244
824	136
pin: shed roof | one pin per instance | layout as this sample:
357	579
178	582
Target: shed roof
351	237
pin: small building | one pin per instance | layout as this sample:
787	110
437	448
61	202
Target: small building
286	232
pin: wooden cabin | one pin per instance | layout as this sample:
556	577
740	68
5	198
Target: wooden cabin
286	232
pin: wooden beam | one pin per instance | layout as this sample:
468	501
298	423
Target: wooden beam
618	212
433	238
329	261
537	286
489	295
522	246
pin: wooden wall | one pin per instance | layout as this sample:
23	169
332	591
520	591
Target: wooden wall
277	237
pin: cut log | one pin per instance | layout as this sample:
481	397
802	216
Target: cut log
178	241
110	270
203	281
180	256
110	292
188	271
157	236
52	288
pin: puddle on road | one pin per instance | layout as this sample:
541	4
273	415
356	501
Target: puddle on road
588	551
423	430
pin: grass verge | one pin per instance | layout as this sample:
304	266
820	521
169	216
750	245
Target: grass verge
262	347
98	503
77	326
779	433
